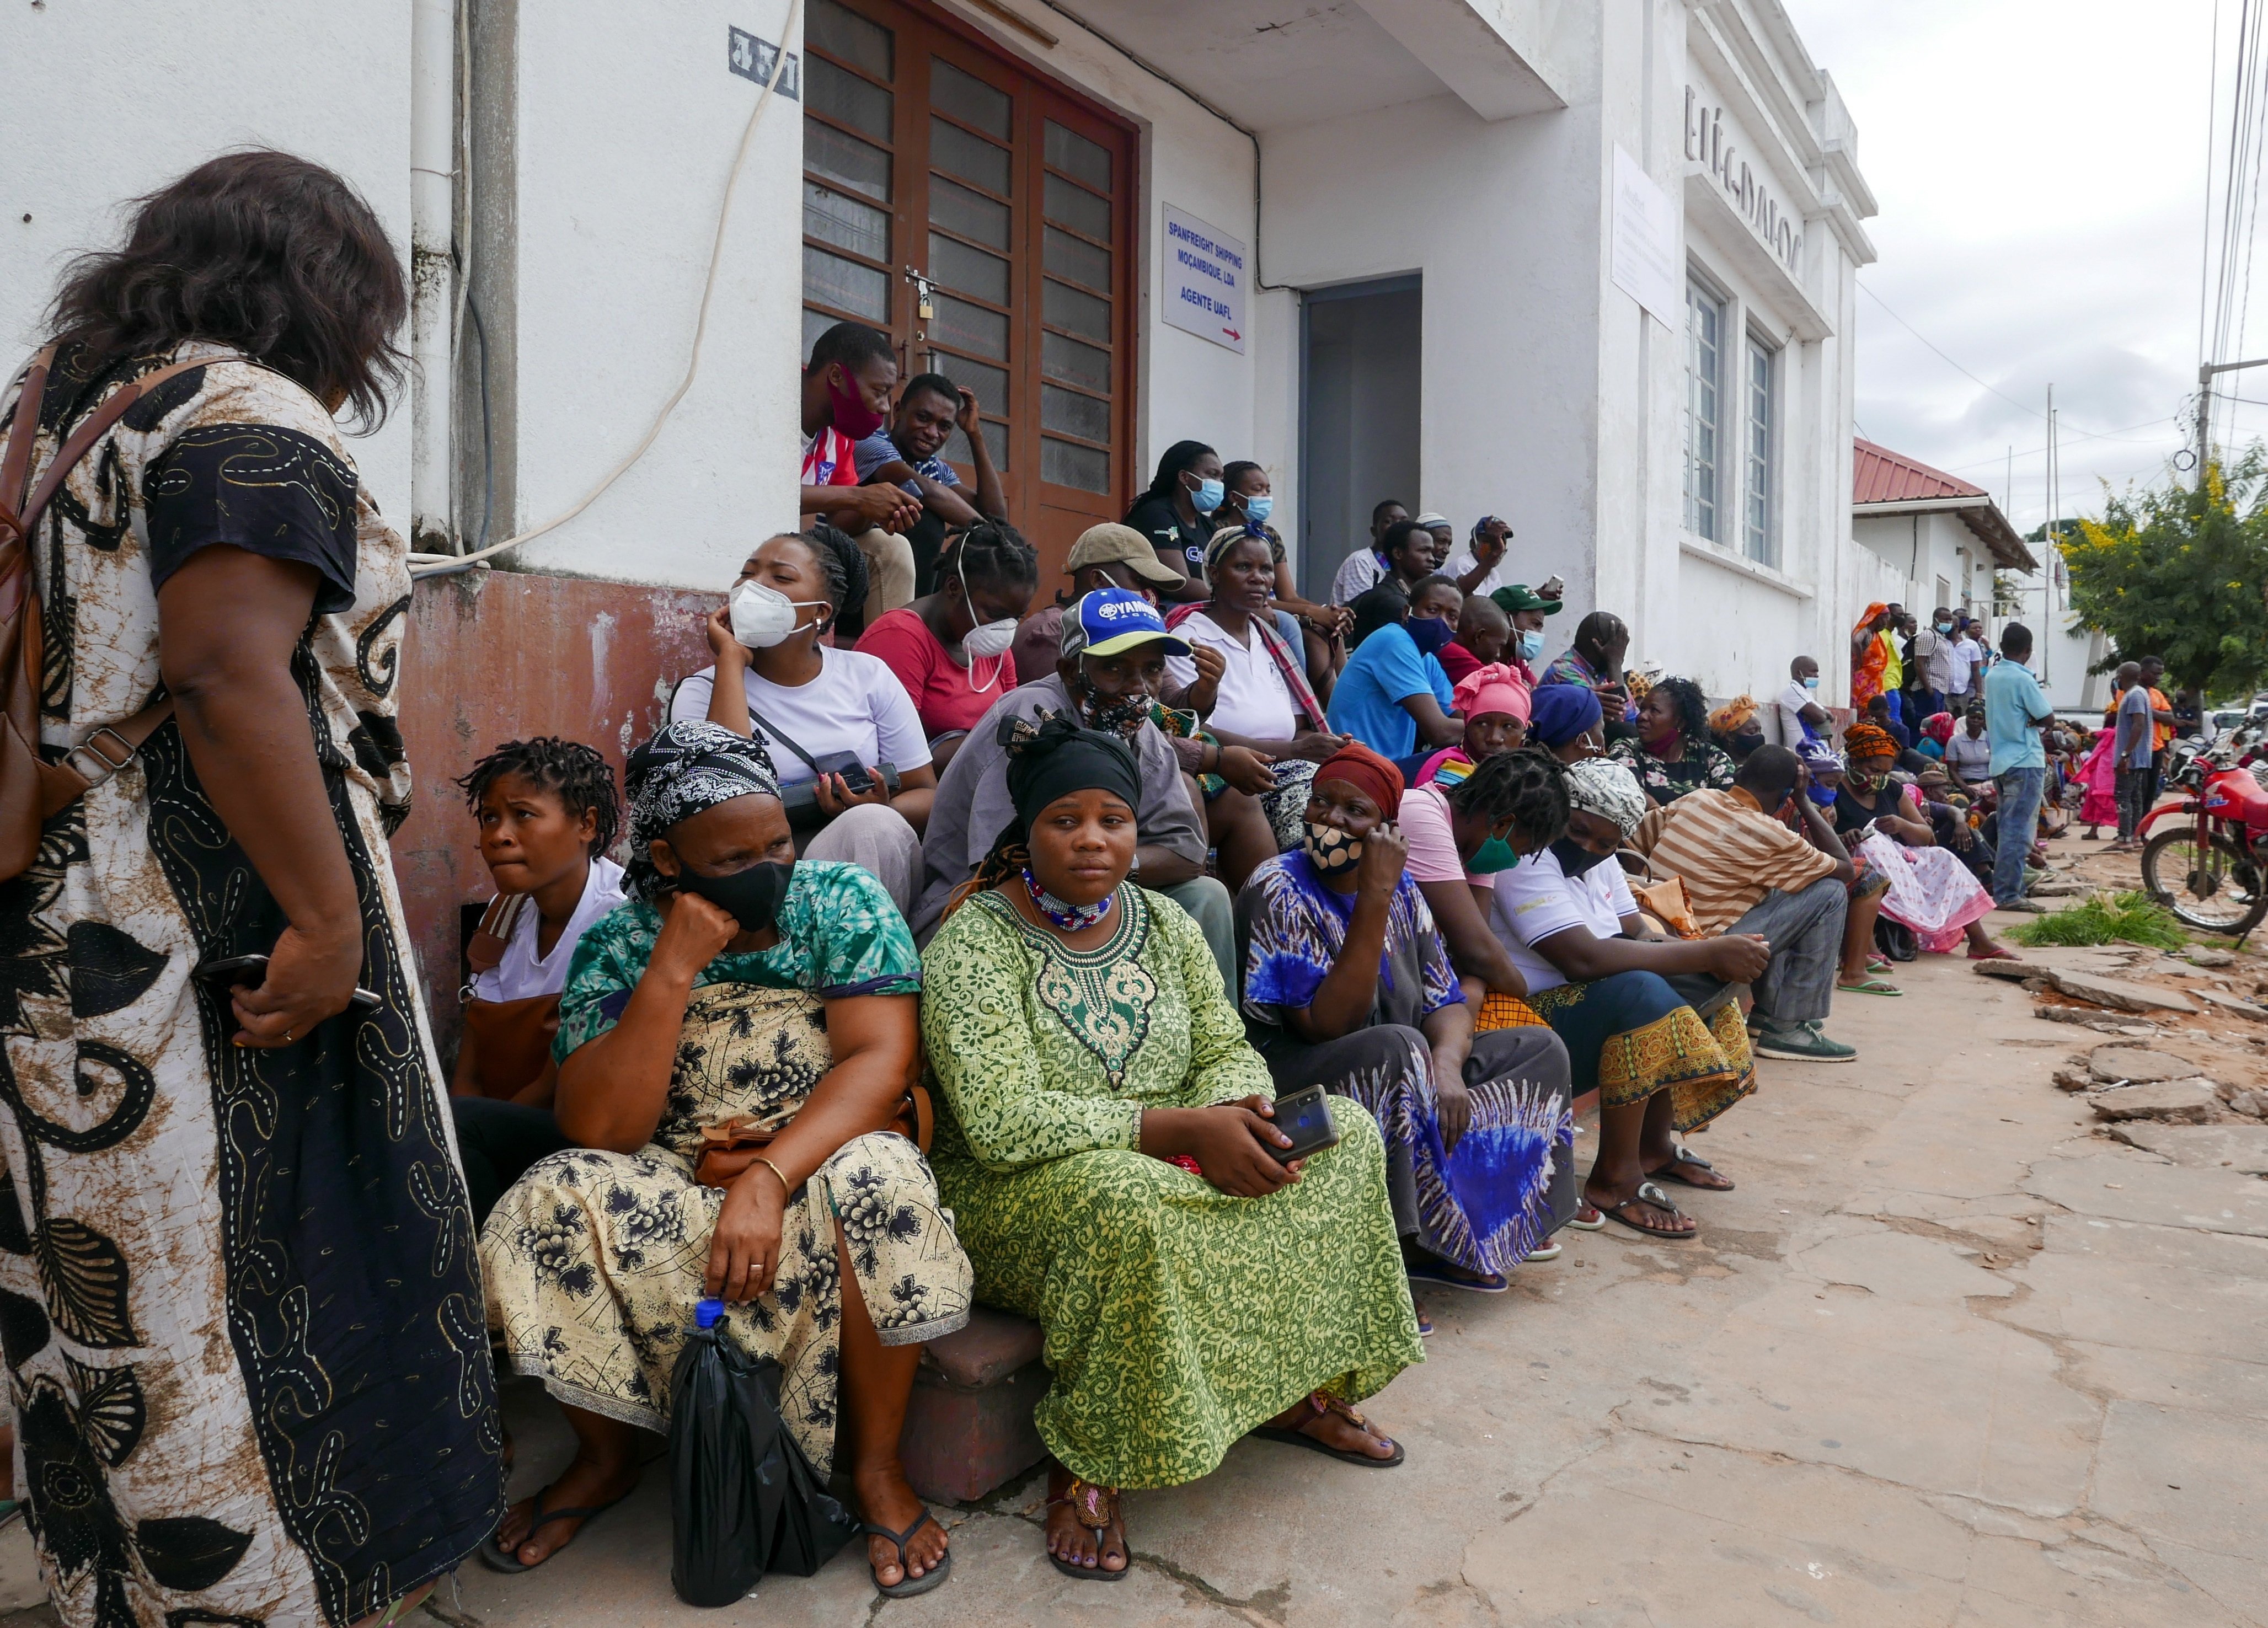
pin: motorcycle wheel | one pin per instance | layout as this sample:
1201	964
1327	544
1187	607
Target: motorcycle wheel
2217	887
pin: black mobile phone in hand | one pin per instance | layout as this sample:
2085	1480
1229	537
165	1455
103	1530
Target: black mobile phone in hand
232	972
1305	1116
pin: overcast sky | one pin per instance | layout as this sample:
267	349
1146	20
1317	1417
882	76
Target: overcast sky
2039	165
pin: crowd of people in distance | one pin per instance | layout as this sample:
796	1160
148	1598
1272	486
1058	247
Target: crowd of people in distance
948	943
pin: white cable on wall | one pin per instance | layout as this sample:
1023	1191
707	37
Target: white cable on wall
449	564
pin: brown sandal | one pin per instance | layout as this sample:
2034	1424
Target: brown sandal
1322	1401
1095	1508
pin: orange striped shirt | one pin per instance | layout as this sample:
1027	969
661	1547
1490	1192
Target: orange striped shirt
1730	855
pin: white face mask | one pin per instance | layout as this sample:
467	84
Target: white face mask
763	616
986	639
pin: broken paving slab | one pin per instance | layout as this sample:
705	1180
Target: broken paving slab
2137	1065
2014	971
2207	956
2119	994
2242	1148
2231	1003
2194	1101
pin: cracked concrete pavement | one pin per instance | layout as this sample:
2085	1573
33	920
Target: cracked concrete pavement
1948	1356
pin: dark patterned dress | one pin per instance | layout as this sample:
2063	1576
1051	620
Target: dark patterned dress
594	1260
240	1307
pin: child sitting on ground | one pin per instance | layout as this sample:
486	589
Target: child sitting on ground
547	813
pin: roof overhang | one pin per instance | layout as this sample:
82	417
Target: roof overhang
1980	514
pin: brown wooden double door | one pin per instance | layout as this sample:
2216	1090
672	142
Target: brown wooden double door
983	219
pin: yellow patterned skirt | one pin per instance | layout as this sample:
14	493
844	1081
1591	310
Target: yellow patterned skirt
1631	1035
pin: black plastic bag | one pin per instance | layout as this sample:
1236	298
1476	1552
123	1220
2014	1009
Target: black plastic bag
743	1498
1895	939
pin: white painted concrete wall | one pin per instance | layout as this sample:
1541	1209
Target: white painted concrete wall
105	103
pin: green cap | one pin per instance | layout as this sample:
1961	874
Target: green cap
1520	596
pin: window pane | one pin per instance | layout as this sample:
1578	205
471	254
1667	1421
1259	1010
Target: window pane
1074	363
841	32
1079	260
832	281
972	158
996	442
968	98
969	327
1085	415
990	383
845	96
833	217
850	163
1067	465
815	324
971	270
970	214
1079	209
1704	378
1082	313
1761	541
1074	155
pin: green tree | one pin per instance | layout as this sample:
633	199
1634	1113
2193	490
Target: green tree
2182	572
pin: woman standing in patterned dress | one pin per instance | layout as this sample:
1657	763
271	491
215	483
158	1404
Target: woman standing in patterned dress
239	1309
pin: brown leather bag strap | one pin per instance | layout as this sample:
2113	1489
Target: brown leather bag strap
16	469
92	429
98	757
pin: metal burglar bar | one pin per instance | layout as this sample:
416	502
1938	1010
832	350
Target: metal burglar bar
979	215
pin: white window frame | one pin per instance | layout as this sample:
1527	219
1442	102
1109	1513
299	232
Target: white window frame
1704	386
1760	419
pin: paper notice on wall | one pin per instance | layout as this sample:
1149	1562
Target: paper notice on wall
1204	280
1645	241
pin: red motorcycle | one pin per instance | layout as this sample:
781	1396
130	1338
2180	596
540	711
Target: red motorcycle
2208	863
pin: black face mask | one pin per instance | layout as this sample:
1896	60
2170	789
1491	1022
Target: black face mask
1574	858
752	896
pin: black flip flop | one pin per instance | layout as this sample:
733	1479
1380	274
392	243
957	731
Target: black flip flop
1686	1157
496	1560
1649	1194
1301	1439
910	1586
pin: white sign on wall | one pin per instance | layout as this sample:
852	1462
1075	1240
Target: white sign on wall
1205	280
1645	242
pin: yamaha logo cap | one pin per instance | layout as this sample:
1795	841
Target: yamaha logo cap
1110	619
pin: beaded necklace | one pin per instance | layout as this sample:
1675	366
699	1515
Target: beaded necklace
1068	918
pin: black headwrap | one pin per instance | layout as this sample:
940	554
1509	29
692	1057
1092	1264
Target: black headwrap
688	768
1054	757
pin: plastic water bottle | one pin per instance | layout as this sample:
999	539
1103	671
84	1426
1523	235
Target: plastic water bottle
708	1314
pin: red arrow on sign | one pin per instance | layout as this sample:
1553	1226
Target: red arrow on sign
1232	333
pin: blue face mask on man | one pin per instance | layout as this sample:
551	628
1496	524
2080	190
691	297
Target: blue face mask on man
1531	645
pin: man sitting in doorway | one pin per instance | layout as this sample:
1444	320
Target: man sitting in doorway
907	453
1360	571
846	395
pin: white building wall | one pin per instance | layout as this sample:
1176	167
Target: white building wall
105	103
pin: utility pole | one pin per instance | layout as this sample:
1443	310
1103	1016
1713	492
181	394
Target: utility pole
2204	404
2048	628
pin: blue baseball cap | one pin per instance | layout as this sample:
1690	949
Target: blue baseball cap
1111	619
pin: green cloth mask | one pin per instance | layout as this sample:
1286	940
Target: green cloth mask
1496	854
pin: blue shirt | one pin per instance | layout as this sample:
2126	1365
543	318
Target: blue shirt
2135	703
2013	698
1366	701
878	449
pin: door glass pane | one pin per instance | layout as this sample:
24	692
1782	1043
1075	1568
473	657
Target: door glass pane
990	383
831	280
996	442
969	327
1074	363
850	163
969	98
971	270
841	32
972	158
1067	465
1077	260
1082	313
815	324
835	217
968	214
1079	209
845	96
1076	156
1074	414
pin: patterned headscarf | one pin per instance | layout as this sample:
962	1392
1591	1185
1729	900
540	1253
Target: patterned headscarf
1228	536
1819	757
1727	719
1609	790
687	767
1865	740
1938	726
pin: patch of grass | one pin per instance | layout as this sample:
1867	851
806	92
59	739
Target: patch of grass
2105	916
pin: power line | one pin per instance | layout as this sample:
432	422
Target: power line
1948	360
2106	435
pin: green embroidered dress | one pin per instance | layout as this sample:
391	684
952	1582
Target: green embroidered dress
1177	1317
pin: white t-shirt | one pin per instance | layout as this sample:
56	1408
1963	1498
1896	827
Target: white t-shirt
522	973
855	705
1967	652
1254	700
1424	823
1535	900
1462	560
1357	572
1790	707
